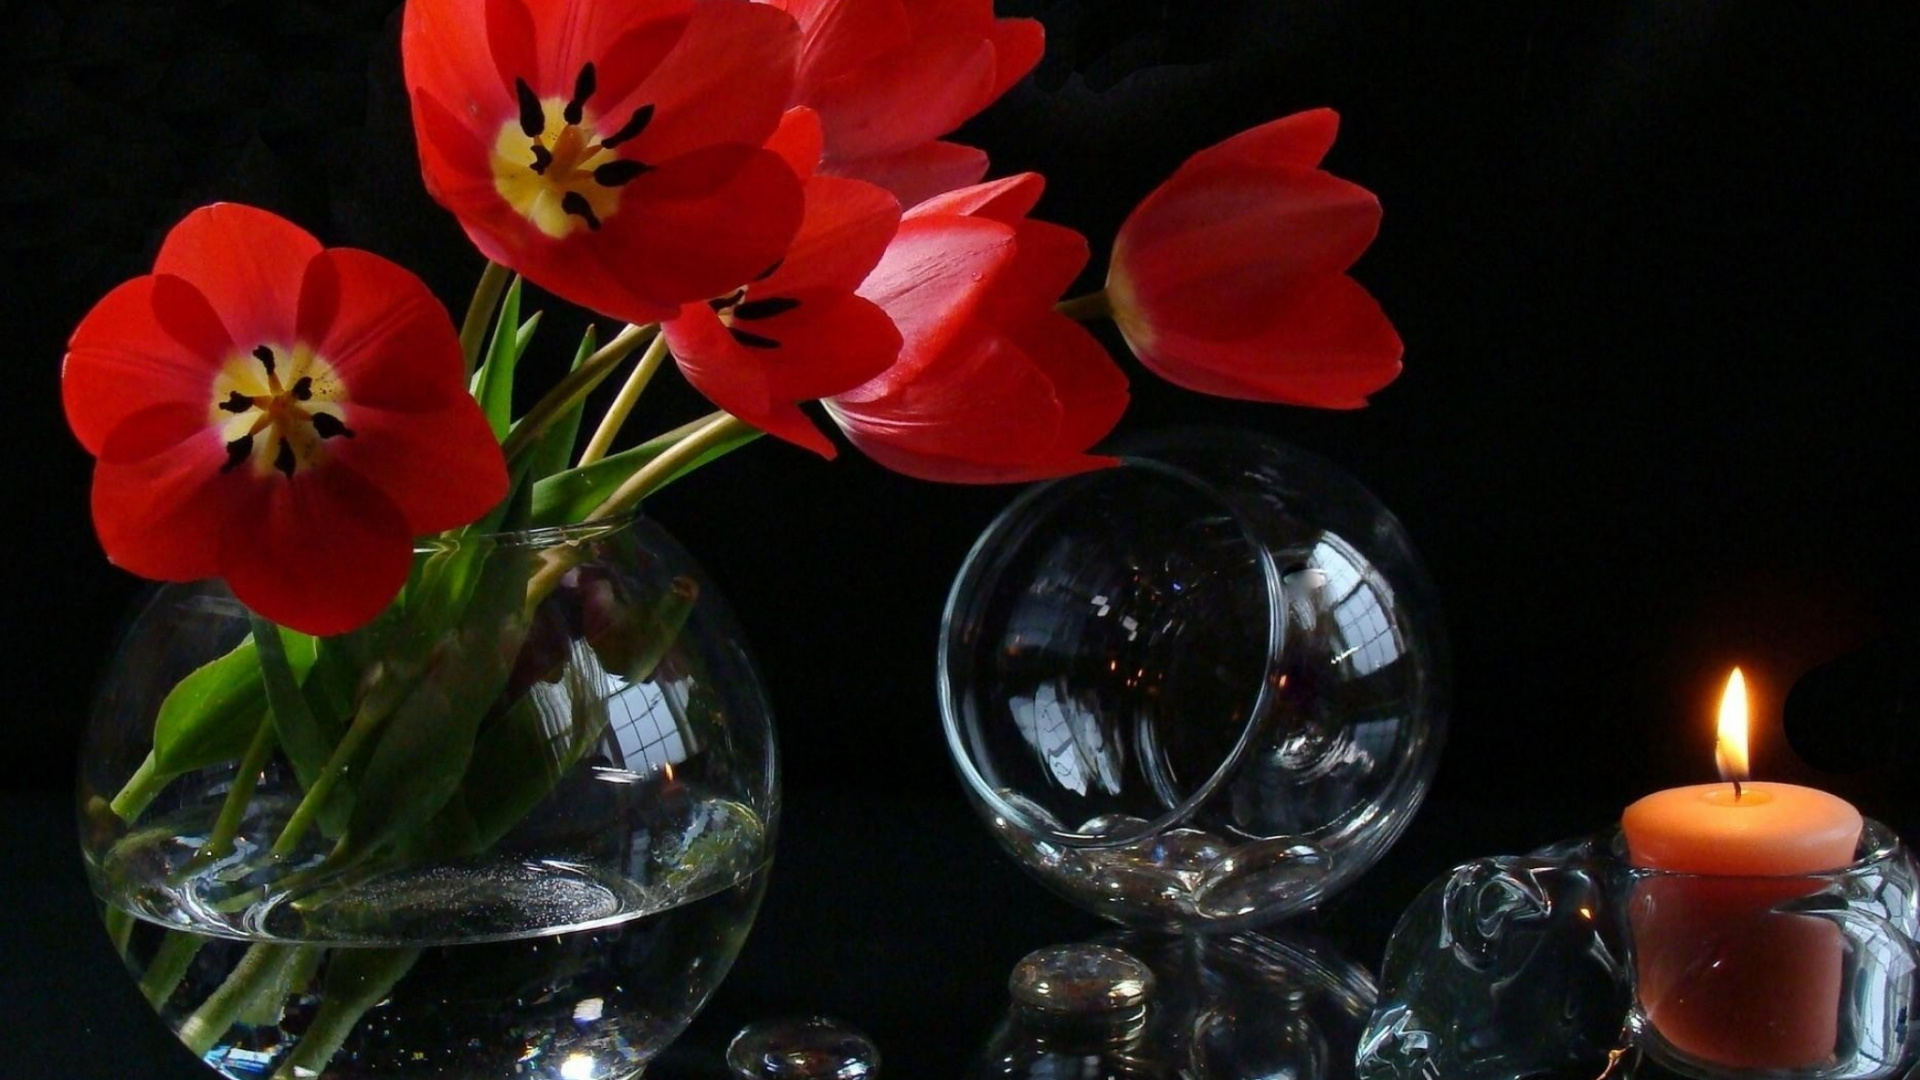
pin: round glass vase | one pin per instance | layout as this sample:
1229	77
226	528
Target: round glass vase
1203	690
518	826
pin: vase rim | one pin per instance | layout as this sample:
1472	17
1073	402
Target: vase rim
537	537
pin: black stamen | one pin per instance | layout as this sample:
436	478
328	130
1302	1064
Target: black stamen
265	356
238	451
236	402
722	303
616	173
771	270
576	204
327	425
533	119
284	459
582	90
542	157
303	390
635	124
765	309
752	341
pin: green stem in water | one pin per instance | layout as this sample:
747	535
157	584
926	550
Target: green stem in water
350	992
636	384
261	967
169	966
719	428
227	825
140	791
367	721
119	929
578	384
486	297
1086	308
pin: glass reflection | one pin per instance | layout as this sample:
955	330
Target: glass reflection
1247	1007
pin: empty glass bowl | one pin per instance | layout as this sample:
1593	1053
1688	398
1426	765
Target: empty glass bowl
1202	690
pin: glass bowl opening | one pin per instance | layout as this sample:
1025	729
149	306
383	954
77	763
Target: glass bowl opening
1109	653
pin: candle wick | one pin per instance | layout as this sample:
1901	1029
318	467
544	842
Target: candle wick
1736	791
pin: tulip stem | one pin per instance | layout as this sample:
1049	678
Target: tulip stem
220	844
655	473
714	432
1086	308
568	391
486	297
617	412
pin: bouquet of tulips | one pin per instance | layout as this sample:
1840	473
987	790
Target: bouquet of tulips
756	191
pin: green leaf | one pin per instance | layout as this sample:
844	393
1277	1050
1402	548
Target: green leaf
550	454
211	715
493	383
283	660
570	496
424	748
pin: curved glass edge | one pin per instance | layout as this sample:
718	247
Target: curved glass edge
1005	524
1879	846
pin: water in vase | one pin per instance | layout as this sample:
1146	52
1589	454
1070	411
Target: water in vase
493	967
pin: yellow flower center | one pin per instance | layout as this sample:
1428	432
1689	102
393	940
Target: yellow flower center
552	165
277	408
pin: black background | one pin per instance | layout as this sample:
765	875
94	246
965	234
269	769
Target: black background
1655	269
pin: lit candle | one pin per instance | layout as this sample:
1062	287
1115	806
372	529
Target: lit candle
1723	976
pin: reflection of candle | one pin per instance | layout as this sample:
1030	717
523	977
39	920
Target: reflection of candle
1724	976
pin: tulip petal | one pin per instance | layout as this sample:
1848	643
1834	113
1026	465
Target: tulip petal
322	553
728	80
435	465
694	228
1008	199
983	402
247	263
932	280
152	340
918	174
827	345
1330	348
845	229
798	140
838	36
1018	45
910	97
1215	249
626	42
162	515
1300	140
444	45
1048	259
1091	388
359	312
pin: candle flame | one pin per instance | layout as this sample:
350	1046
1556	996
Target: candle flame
1730	749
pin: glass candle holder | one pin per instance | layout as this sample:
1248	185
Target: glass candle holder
1570	960
1202	690
1809	974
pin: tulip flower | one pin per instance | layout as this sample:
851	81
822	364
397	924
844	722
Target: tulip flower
283	416
889	77
609	150
1230	278
797	332
992	384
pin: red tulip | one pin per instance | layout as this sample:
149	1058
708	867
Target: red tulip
286	417
1231	277
889	77
798	333
992	384
609	150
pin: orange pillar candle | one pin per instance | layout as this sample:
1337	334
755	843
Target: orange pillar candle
1724	976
